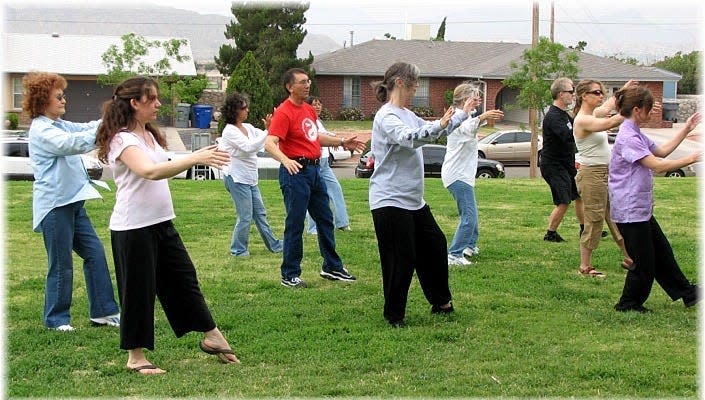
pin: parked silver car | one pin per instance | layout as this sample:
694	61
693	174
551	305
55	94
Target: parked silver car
16	164
509	147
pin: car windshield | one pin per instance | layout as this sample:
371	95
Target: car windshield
489	138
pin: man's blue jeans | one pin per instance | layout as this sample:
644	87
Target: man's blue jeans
306	191
335	193
467	232
249	207
68	229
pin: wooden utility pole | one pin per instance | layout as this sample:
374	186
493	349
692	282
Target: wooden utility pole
553	21
533	113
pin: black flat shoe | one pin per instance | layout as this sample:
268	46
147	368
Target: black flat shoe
440	310
397	324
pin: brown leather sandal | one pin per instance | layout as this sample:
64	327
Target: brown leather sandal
591	271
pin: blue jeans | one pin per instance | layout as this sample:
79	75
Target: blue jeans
249	206
306	191
467	232
335	193
68	229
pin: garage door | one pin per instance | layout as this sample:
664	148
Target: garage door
84	100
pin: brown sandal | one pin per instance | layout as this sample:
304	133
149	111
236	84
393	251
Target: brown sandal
591	271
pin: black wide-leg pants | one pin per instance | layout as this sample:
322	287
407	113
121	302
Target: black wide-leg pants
408	241
153	262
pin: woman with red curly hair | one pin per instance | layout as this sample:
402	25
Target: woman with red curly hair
61	186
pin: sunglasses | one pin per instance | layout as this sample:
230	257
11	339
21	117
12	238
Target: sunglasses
571	91
596	92
60	97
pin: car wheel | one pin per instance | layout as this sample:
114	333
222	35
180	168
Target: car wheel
331	159
480	154
675	174
485	173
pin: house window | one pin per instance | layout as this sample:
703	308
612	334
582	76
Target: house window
17	93
421	97
351	92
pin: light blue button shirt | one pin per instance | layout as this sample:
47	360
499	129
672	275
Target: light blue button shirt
60	178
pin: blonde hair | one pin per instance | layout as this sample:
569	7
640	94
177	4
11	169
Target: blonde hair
465	91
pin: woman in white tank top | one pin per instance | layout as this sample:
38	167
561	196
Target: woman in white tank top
590	131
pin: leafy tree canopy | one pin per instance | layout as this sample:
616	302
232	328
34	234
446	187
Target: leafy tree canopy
540	66
272	32
686	65
248	79
129	59
441	34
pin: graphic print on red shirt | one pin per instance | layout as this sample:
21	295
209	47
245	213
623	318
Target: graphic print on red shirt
296	128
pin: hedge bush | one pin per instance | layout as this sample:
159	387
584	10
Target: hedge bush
352	114
423	112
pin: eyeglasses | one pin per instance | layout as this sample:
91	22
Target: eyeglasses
571	91
60	97
596	92
304	82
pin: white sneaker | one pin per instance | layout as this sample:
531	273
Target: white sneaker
453	260
109	320
64	328
471	251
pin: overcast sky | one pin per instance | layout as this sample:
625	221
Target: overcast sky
616	27
609	27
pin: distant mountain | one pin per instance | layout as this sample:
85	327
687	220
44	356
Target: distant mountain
204	32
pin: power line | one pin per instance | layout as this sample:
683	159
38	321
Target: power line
592	23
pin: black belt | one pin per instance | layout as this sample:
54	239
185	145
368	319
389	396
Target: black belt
308	161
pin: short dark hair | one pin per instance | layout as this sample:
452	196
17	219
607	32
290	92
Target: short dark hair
289	75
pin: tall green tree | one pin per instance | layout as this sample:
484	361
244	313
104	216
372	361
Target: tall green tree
688	66
248	79
441	34
533	77
272	31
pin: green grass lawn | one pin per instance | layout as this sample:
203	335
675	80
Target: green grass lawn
526	324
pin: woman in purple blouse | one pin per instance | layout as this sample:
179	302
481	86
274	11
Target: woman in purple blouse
635	158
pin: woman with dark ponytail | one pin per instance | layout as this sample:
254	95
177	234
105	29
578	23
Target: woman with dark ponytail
150	258
408	236
635	158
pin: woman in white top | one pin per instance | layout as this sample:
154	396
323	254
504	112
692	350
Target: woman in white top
590	130
243	141
150	258
458	173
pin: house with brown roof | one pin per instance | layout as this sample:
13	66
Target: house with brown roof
78	59
344	77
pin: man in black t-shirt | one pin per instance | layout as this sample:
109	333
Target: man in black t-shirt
558	157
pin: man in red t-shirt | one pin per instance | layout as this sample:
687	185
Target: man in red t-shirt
294	141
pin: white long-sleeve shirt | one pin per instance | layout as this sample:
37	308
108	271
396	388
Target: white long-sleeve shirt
460	162
243	152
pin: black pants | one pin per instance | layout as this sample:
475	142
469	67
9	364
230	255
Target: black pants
149	262
653	256
408	241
